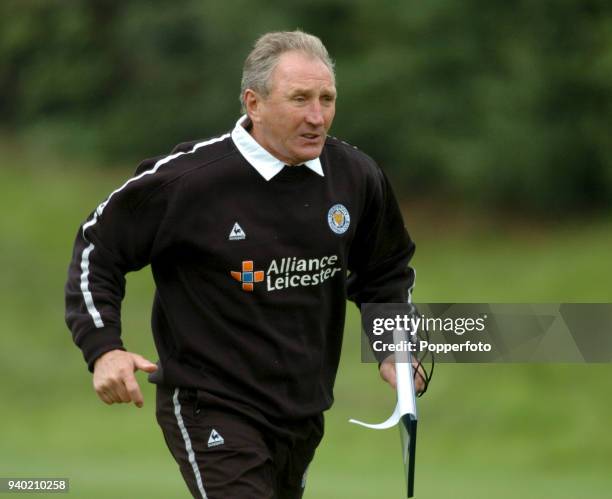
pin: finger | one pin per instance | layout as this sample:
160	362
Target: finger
419	378
112	394
122	392
104	398
115	391
419	386
133	389
143	364
387	373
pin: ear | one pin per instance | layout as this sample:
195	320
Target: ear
252	103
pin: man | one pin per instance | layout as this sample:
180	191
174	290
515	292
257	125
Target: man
250	237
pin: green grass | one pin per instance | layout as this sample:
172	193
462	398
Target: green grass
528	431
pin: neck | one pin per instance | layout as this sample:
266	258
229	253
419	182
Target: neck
259	137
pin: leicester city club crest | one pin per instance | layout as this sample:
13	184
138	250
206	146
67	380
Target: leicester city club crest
338	218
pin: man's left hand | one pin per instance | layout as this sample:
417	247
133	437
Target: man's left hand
387	372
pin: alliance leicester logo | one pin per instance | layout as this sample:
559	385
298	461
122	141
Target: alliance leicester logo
248	277
289	272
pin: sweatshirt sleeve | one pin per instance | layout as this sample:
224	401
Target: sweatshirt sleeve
381	252
118	237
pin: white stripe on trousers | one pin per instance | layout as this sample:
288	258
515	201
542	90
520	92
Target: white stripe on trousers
188	447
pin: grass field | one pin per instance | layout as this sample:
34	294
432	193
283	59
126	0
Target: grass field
504	431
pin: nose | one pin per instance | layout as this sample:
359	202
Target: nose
314	116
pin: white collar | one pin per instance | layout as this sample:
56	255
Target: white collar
266	165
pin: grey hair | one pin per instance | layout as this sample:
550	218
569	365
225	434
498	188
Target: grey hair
266	52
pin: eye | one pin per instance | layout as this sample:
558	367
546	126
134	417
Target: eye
299	98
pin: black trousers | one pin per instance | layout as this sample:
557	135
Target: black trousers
226	455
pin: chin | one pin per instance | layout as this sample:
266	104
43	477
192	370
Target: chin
308	153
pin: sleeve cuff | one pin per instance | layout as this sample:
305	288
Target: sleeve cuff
98	342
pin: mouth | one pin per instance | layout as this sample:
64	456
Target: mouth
311	137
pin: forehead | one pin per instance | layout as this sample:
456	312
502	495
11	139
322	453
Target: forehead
297	69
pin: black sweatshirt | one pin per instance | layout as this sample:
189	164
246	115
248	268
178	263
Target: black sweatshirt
253	263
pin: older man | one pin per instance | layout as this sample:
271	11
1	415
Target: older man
255	239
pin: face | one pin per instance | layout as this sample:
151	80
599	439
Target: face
292	121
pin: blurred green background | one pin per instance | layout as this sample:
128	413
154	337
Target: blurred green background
493	120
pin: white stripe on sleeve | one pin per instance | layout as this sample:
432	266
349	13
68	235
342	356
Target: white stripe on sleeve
91	308
87	296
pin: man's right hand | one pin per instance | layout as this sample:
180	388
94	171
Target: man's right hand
114	379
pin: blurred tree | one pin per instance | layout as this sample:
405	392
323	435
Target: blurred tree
499	103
